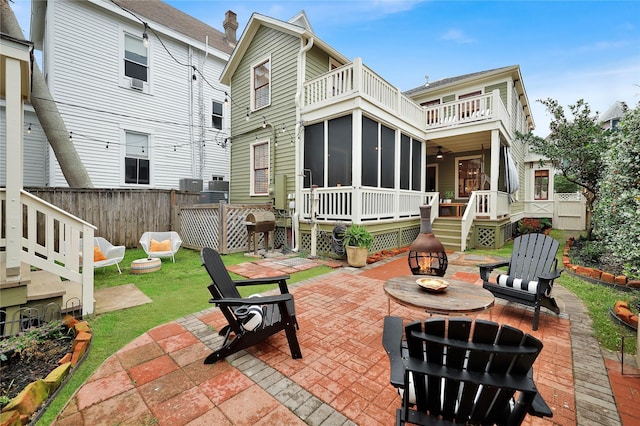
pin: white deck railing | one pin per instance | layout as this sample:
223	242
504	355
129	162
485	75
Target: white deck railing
356	78
350	204
356	205
52	243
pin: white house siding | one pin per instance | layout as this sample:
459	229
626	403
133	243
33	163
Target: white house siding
282	48
83	62
34	149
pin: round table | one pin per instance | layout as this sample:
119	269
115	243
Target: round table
146	265
459	298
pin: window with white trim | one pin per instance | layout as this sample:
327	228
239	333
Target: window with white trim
541	185
216	115
136	159
136	61
260	168
261	84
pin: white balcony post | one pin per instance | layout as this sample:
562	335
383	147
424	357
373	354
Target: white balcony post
357	75
495	171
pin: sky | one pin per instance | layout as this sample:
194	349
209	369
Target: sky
566	50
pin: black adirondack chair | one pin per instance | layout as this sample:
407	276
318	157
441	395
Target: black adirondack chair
456	371
278	312
530	274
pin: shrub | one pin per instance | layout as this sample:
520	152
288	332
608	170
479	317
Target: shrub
533	225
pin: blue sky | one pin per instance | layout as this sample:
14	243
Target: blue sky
566	50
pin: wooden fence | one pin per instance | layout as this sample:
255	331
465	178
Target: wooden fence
121	215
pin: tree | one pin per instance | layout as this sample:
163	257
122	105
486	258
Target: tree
617	212
575	146
47	112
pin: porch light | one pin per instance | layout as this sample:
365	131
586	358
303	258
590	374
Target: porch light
439	154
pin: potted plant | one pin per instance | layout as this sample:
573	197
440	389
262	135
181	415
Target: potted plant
357	240
448	196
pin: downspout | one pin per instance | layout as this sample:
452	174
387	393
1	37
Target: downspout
301	64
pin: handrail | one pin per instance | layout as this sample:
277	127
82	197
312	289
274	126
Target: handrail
52	243
467	221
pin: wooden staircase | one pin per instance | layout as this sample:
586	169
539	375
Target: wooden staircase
448	231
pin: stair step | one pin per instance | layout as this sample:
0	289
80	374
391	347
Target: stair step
25	276
44	285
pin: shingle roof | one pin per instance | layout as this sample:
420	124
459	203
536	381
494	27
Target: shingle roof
170	17
435	84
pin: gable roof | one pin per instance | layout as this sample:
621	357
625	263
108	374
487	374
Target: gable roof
299	26
439	84
170	17
154	11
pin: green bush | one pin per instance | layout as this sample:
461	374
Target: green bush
533	225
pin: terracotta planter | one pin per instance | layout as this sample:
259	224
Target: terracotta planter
357	256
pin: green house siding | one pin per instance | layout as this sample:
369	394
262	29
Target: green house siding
502	87
317	63
282	49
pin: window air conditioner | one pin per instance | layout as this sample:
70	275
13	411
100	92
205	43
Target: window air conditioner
137	84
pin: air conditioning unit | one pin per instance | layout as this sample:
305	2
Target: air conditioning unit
190	185
219	185
137	84
213	197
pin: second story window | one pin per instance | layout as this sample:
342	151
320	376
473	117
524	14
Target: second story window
216	115
136	64
136	158
261	84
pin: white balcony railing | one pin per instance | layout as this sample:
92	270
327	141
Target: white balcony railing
468	110
51	242
356	78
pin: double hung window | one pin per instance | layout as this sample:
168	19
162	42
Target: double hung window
216	115
136	160
136	61
261	84
260	168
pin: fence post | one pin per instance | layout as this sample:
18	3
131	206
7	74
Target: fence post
224	228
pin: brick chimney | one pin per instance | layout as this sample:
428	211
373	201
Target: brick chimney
230	25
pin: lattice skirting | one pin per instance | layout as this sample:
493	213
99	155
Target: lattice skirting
382	241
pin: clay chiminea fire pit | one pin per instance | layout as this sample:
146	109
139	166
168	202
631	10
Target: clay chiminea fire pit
426	253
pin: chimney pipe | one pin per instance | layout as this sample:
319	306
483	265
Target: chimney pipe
230	25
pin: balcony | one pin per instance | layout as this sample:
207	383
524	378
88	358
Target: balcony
356	79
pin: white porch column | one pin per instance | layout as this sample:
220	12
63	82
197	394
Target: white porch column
495	172
356	159
15	56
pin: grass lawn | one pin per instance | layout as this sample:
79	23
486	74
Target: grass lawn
178	289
